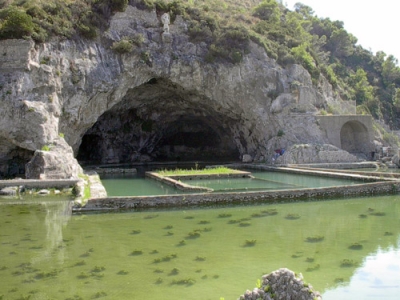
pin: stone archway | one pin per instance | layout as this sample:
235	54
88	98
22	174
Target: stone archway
354	137
160	120
351	133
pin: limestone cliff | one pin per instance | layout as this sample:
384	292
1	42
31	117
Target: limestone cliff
162	101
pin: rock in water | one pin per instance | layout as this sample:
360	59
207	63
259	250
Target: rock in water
282	284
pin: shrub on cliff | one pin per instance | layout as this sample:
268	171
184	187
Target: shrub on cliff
122	46
230	45
16	23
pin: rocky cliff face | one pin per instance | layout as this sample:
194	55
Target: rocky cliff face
162	101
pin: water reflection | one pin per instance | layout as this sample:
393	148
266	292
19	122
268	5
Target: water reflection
57	216
378	278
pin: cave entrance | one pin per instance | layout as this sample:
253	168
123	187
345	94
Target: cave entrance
13	162
354	137
161	121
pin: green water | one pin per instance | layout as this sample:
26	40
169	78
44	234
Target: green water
199	253
137	185
269	181
134	185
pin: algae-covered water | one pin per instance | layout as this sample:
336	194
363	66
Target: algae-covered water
138	185
347	249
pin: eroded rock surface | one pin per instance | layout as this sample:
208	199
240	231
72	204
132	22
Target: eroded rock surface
282	284
314	153
162	101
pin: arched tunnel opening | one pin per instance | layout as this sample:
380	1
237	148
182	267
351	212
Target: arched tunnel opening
354	138
161	121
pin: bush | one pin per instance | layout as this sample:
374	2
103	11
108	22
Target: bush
87	31
268	10
391	139
230	45
161	6
122	46
17	24
138	39
306	60
330	75
119	5
143	4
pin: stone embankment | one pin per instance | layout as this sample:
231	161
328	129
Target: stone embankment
282	284
207	199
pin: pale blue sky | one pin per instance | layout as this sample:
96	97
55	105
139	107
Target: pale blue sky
375	23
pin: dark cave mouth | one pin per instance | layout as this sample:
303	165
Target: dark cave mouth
13	164
131	140
161	121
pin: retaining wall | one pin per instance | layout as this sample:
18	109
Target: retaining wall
209	199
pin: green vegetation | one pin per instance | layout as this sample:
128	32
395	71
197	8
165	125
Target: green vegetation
348	263
211	171
86	193
292	216
356	246
136	252
122	46
250	243
315	239
46	148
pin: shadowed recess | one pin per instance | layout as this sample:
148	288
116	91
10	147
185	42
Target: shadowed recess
162	121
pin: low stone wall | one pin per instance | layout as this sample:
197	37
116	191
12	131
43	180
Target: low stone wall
356	165
173	180
386	175
179	185
237	174
211	199
361	176
39	183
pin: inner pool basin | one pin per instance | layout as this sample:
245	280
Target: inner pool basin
347	248
139	185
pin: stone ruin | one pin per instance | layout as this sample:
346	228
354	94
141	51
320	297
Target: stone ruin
282	284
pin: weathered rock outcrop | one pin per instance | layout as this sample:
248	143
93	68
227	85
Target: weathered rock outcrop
161	101
282	284
314	153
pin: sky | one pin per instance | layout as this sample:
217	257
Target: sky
374	23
